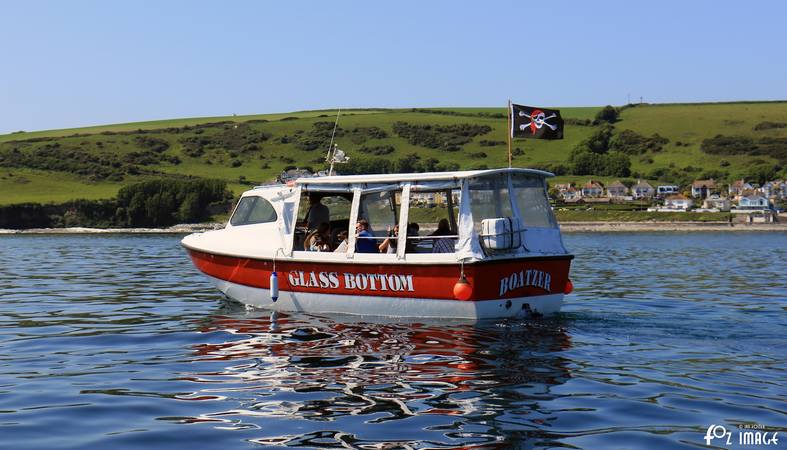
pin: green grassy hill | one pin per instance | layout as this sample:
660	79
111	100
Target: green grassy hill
94	162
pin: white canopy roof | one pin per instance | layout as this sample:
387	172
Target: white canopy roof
424	176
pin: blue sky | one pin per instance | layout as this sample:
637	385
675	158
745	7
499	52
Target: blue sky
79	63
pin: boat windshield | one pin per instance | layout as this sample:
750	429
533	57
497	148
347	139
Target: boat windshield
489	198
253	210
500	195
532	202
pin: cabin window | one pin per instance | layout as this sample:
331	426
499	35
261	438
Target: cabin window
433	221
251	210
330	209
531	200
381	211
489	198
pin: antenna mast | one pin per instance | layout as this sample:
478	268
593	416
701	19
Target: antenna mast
331	149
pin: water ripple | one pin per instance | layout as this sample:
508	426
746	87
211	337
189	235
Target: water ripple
117	341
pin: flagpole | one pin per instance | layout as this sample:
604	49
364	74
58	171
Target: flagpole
508	132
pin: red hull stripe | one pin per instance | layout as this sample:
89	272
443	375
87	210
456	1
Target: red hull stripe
491	280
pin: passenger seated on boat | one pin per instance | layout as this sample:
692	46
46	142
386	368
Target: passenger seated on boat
389	244
319	239
365	241
443	229
342	237
444	245
412	230
317	214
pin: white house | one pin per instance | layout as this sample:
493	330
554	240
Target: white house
737	187
775	189
679	202
703	188
751	202
572	195
717	202
642	189
666	189
617	189
592	189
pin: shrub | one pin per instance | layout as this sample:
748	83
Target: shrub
488	143
151	143
766	125
633	143
598	142
775	147
360	135
378	150
607	114
614	164
445	137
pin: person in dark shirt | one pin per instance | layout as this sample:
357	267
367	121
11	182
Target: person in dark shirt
317	214
443	245
363	243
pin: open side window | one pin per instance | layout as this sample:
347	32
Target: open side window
322	217
432	217
381	211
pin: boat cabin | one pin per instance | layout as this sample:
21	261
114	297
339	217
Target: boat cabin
419	217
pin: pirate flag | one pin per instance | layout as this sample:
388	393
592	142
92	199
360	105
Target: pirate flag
536	123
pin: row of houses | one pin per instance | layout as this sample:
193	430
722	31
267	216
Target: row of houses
740	195
593	189
772	190
751	204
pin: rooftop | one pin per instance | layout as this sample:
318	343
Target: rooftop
710	184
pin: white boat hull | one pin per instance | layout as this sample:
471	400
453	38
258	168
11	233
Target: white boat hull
391	306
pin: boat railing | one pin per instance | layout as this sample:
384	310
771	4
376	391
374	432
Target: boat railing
511	232
447	236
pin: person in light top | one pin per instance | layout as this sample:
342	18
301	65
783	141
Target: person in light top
319	239
342	237
389	244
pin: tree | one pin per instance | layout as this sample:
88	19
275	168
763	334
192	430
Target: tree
598	142
607	114
616	165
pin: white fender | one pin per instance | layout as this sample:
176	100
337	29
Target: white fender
274	286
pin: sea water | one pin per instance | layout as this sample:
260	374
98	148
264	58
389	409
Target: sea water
116	341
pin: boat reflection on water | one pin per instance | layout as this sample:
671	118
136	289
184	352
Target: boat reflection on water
301	380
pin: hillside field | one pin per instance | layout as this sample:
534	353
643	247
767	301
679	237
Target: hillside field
94	162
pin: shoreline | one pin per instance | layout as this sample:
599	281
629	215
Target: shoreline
566	227
174	229
606	227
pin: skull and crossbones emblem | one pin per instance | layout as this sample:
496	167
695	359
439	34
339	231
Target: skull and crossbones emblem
537	120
